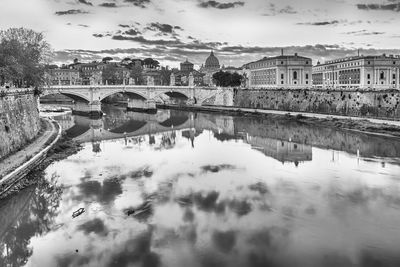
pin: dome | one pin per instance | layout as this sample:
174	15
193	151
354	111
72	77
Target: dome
212	62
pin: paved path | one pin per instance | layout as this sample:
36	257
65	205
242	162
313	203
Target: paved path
12	162
306	114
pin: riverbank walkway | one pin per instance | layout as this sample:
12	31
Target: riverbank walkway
48	134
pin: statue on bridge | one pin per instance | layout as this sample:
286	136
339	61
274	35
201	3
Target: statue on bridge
150	80
172	80
191	80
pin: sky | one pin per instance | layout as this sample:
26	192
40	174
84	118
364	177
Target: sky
238	31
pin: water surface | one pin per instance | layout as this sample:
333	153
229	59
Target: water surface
209	190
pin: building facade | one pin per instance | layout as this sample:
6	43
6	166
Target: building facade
182	77
365	72
65	77
288	71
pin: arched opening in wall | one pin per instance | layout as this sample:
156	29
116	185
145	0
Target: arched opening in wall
63	98
173	98
122	98
175	119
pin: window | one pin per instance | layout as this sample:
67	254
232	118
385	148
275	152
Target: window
295	75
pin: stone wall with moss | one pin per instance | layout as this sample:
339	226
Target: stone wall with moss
380	104
19	120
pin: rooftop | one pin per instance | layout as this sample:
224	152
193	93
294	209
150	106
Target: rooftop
345	59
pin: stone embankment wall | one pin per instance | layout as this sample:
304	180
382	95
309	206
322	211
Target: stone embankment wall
218	97
380	104
19	119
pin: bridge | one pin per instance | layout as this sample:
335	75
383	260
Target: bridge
88	98
133	124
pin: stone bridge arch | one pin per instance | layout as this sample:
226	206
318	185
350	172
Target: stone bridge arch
109	92
73	94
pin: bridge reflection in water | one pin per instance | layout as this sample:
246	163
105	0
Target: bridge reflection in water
283	140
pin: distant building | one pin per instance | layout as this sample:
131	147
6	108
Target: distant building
211	66
152	77
182	76
65	77
187	66
375	72
288	71
90	73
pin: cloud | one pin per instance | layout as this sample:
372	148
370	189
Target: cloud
320	23
392	6
71	12
273	11
132	32
287	10
138	3
163	28
142	40
197	51
94	226
108	5
363	33
85	2
219	5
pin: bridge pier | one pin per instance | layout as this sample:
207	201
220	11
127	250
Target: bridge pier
191	101
141	105
92	109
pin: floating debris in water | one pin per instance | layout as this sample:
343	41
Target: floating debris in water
129	212
78	212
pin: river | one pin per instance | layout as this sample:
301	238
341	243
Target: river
181	188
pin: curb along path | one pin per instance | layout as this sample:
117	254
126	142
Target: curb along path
16	166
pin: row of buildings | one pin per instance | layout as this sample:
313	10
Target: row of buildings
283	71
294	71
94	73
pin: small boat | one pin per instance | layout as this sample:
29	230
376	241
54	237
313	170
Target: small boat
78	212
